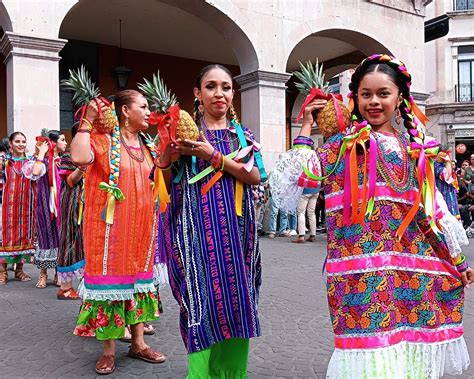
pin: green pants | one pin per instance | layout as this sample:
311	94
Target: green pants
224	360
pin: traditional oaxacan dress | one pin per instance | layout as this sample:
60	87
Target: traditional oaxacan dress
117	288
71	239
213	258
396	306
18	212
47	211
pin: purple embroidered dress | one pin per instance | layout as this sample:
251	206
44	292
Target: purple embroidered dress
213	254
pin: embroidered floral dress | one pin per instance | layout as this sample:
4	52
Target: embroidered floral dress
18	212
396	306
117	288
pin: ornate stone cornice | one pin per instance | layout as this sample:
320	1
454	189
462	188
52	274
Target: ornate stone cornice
262	79
13	44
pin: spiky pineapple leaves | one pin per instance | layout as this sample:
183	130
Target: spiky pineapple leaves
310	76
158	94
81	83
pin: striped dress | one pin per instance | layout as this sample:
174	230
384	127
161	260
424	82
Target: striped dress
213	255
71	240
18	213
46	254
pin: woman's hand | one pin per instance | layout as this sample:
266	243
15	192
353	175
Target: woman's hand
43	148
201	149
315	105
467	277
92	111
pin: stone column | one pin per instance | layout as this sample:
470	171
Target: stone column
32	83
263	110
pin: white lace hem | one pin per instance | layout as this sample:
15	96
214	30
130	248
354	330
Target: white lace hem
454	234
110	295
404	360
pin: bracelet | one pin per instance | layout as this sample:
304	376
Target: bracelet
223	160
217	161
81	169
84	131
214	152
39	160
164	168
460	259
90	127
462	267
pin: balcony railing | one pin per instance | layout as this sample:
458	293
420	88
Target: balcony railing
463	5
464	92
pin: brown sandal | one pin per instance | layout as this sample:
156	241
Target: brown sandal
311	239
147	355
21	275
42	280
3	277
105	365
69	294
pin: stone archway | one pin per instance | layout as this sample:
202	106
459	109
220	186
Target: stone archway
338	50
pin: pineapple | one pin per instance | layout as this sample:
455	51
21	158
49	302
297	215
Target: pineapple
84	91
313	77
161	99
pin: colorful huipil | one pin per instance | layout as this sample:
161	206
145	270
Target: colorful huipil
47	211
18	212
117	288
213	254
396	305
71	237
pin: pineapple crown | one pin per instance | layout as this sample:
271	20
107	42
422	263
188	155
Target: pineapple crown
414	119
310	76
157	94
81	83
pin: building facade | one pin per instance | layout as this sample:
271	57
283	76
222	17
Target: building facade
450	78
260	40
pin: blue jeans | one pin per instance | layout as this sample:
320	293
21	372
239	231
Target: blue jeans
273	219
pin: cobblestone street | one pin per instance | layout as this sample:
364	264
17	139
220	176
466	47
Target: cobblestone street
37	341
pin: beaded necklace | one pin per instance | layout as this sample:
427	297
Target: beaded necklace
211	135
138	157
399	184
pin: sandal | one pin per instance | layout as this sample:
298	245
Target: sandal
105	365
299	240
21	275
42	279
127	337
55	281
69	294
311	239
3	277
147	355
148	329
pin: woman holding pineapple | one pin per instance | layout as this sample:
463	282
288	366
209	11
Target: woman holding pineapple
210	234
119	227
45	168
395	289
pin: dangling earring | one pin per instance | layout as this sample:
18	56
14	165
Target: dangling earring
398	116
200	107
126	123
233	114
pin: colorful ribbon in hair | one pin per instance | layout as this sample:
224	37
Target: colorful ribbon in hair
317	93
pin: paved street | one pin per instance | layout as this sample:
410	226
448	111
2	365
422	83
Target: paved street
37	341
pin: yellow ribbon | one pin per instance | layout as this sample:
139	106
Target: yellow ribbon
160	192
114	193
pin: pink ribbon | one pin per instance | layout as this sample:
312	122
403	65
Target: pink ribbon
390	339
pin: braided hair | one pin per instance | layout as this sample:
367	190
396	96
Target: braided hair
397	71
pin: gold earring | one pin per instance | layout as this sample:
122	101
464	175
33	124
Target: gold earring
126	122
200	107
233	114
398	116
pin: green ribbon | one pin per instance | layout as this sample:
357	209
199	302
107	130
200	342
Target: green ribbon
210	169
113	190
